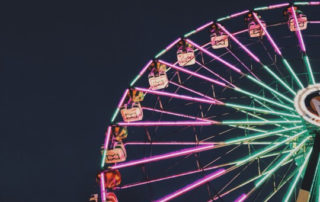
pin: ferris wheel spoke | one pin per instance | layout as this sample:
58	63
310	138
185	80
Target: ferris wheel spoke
173	176
256	58
276	166
302	46
192	186
297	177
193	73
191	90
234	68
163	156
259	122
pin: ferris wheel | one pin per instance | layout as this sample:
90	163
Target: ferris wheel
228	112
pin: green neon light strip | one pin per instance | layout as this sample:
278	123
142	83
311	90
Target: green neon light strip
260	135
160	53
307	62
268	149
255	109
103	158
279	79
223	18
261	8
263	98
296	179
288	66
258	122
270	89
135	80
249	128
114	115
301	3
279	163
190	33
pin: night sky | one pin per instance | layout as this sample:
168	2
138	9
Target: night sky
63	70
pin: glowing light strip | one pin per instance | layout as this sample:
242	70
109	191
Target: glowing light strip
105	147
279	164
167	48
204	26
298	31
214	56
261	135
193	143
259	97
296	179
140	73
167	123
307	62
241	198
239	43
163	156
102	188
191	90
269	88
258	122
287	65
261	110
268	149
173	95
176	114
119	105
194	185
268	35
272	7
193	73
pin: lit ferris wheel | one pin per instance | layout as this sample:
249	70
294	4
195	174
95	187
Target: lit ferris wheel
228	112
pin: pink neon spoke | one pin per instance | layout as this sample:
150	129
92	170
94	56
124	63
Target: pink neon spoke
278	5
315	22
204	26
167	123
241	198
170	143
214	56
192	186
239	43
163	156
298	32
193	91
107	139
172	44
268	35
192	73
123	98
313	3
239	13
145	68
173	95
175	114
102	187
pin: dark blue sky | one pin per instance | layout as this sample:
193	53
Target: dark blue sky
63	68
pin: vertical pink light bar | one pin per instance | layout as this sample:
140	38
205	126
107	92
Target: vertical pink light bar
193	73
278	5
173	95
102	188
239	43
204	26
163	156
172	44
239	13
105	147
268	35
194	185
301	42
167	123
123	98
214	56
241	198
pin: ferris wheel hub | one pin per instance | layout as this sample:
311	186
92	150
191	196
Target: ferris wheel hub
307	104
